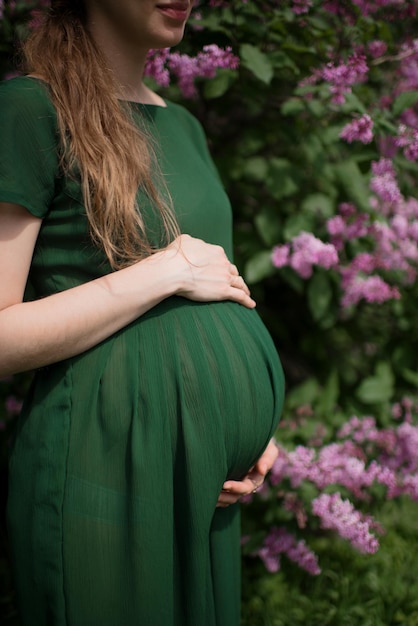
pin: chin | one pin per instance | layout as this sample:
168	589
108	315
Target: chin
169	39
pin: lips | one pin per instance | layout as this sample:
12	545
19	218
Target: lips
178	11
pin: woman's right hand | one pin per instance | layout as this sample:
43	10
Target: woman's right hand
206	274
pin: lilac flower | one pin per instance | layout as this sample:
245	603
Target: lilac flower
383	167
343	76
391	242
155	66
340	515
301	6
347	209
360	129
162	63
336	226
410	486
362	455
213	58
364	263
304	252
400	226
386	188
308	251
377	48
368	7
370	289
360	430
279	541
280	256
408	139
186	69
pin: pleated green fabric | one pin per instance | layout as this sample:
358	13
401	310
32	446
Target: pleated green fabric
121	452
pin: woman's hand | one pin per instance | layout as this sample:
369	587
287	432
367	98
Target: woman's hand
233	490
205	273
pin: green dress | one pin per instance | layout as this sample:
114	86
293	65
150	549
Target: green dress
121	452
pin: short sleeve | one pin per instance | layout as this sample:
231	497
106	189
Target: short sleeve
28	145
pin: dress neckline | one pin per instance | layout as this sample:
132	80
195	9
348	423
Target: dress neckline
151	105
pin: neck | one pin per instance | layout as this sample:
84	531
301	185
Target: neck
126	64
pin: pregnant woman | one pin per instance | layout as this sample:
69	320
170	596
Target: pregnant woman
157	387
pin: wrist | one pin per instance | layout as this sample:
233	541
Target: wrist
174	266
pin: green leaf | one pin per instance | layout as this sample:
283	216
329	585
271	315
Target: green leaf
319	295
282	60
297	223
404	101
219	85
349	175
257	62
352	103
378	388
293	106
305	393
282	180
318	204
330	393
268	227
258	267
410	376
256	168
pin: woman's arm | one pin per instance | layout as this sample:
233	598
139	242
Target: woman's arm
34	334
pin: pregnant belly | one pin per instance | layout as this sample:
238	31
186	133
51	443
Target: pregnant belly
211	368
196	381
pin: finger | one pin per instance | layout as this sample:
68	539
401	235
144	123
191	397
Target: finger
256	479
227	498
234	270
243	487
238	295
239	283
267	459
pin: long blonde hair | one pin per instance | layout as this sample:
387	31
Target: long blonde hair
98	135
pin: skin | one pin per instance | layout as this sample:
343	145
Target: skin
35	334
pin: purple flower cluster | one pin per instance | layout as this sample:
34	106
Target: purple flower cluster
279	541
305	252
368	7
301	6
391	240
383	183
408	140
362	456
401	8
360	129
162	64
342	75
344	463
385	238
341	516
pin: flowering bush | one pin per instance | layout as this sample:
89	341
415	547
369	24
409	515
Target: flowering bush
314	485
311	107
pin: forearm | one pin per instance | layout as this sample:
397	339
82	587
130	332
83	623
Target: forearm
35	334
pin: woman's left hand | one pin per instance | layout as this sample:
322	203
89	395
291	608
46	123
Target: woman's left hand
233	490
